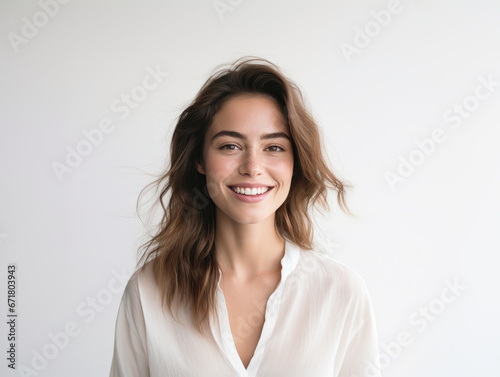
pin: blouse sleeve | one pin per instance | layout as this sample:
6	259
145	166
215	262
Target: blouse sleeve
130	350
361	356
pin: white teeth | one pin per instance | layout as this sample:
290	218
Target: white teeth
249	191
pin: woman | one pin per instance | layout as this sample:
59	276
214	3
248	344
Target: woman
232	260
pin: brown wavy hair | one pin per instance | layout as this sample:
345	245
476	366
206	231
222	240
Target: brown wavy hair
182	250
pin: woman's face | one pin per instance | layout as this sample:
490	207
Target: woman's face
248	146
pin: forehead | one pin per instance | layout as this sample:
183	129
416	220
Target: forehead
249	112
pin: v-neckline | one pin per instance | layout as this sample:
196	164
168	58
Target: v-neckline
225	339
230	345
232	295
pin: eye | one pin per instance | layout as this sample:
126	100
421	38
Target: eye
275	146
228	145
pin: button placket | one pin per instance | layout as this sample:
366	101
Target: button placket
225	339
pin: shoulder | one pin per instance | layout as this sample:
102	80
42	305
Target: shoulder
333	279
324	267
140	284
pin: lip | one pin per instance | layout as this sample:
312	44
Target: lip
250	185
251	198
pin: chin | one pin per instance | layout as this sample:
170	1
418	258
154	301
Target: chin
247	218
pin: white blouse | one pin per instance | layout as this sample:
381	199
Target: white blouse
318	322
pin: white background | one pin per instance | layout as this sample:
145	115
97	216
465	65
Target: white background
71	237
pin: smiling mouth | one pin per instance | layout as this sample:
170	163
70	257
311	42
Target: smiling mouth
250	191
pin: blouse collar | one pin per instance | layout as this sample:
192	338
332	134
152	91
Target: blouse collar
221	329
288	262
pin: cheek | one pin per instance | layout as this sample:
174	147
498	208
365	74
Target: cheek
217	171
283	169
219	167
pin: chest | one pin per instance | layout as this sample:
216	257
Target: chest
246	307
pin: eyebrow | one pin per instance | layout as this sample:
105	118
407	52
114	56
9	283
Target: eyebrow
274	135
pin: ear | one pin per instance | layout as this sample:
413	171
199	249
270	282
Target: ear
200	168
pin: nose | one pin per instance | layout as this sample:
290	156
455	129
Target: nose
251	163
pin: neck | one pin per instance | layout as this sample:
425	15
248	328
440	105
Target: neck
246	251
